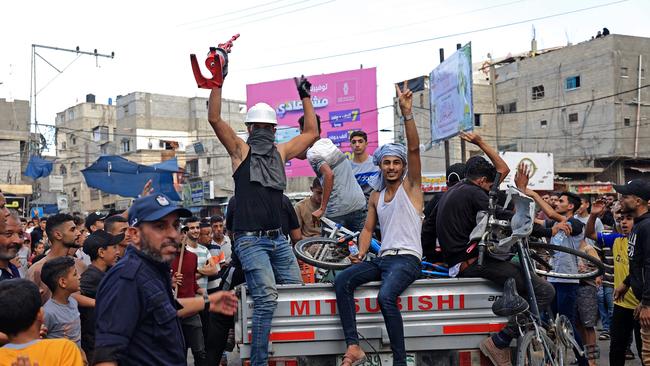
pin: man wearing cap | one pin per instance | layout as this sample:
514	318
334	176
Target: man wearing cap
634	199
258	166
95	221
137	318
101	247
397	204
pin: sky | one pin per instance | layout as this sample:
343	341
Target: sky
152	41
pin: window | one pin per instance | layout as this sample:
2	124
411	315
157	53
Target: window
103	149
477	119
73	169
125	109
538	92
209	161
421	100
573	117
624	72
126	145
74	192
63	170
64	145
73	140
70	114
572	82
507	108
626	122
100	133
94	194
192	167
543	124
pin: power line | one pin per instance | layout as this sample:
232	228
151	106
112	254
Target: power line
437	37
231	12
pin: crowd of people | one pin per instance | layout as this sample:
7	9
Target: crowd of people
148	285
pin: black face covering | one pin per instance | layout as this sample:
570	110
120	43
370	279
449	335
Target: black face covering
267	166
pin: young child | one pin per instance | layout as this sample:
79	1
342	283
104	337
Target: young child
101	248
21	319
62	317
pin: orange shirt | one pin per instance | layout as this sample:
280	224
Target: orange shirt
46	352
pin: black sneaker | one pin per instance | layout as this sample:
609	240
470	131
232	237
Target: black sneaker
604	336
629	355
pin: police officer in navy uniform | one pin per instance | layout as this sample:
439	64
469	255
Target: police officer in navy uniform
137	315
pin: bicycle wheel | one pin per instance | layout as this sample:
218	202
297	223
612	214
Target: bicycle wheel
543	251
534	351
324	253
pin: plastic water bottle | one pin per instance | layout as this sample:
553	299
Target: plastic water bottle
353	248
558	238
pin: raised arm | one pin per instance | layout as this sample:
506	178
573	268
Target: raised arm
297	145
328	186
405	96
492	154
236	147
597	209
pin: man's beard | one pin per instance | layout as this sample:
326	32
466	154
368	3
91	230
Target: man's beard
72	245
6	254
156	255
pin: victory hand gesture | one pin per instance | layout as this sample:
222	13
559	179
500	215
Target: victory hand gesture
405	96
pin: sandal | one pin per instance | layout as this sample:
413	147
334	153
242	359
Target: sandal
348	361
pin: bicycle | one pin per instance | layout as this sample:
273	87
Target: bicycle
540	342
331	253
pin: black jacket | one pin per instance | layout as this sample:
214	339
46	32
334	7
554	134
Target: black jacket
639	244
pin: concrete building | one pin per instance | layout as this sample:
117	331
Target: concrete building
14	140
154	127
84	133
588	104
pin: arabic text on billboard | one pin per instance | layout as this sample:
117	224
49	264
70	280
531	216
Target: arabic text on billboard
345	101
451	95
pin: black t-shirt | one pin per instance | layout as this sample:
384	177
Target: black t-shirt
456	218
257	206
289	217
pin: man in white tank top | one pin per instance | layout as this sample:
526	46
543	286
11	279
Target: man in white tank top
397	203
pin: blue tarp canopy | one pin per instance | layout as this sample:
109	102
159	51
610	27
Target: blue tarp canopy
38	168
114	174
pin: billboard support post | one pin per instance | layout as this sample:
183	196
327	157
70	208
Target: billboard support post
462	142
447	162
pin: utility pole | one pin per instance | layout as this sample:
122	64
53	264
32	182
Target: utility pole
34	91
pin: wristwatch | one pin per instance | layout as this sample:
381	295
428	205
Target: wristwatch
407	117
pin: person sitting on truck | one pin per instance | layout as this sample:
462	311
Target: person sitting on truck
456	217
397	203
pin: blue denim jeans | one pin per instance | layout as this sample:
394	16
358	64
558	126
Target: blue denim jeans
353	221
605	305
396	272
265	262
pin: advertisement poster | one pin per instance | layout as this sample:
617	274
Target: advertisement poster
451	96
541	166
345	101
434	182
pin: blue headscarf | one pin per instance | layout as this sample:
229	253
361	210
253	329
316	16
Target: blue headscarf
377	182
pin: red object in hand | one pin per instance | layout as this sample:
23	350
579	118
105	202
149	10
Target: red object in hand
217	64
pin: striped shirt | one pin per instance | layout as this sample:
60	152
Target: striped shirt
203	255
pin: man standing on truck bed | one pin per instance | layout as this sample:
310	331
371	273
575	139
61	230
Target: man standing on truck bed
258	165
397	203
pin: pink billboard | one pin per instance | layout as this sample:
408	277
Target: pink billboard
345	101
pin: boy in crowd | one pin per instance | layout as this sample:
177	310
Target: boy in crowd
362	165
305	207
102	249
623	323
62	318
21	319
